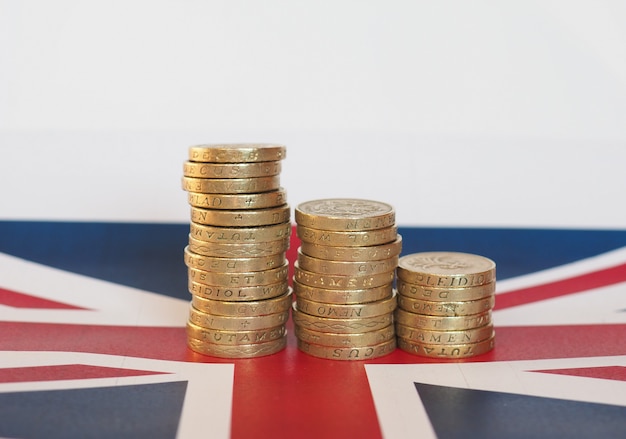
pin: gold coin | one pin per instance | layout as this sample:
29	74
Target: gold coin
338	282
243	279
427	336
238	294
250	308
346	340
348	353
232	265
347	239
445	308
348	254
342	296
356	268
446	269
237	152
446	351
346	311
216	336
231	170
340	326
445	294
345	214
239	235
257	249
237	323
237	351
439	323
231	185
241	218
238	201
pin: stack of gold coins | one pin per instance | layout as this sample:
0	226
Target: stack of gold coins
444	304
236	257
343	278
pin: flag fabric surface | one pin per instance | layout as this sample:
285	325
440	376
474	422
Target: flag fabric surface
92	344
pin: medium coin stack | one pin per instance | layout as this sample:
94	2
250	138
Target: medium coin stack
444	304
236	257
343	278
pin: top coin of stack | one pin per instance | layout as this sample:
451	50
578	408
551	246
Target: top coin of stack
445	301
343	279
236	257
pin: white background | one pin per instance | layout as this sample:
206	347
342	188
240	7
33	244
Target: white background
483	113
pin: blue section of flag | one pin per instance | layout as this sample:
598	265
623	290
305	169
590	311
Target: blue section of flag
464	414
145	256
150	411
515	251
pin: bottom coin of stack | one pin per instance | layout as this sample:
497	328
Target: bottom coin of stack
444	304
343	279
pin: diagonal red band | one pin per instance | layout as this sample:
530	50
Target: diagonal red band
21	300
576	284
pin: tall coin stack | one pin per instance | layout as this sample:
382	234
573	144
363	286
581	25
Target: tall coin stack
236	257
444	304
343	278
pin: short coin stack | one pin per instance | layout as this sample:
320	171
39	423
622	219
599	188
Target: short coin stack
444	304
236	257
343	278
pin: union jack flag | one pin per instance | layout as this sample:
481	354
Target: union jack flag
92	344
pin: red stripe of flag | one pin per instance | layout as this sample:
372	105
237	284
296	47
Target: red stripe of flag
576	284
617	373
21	300
66	372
